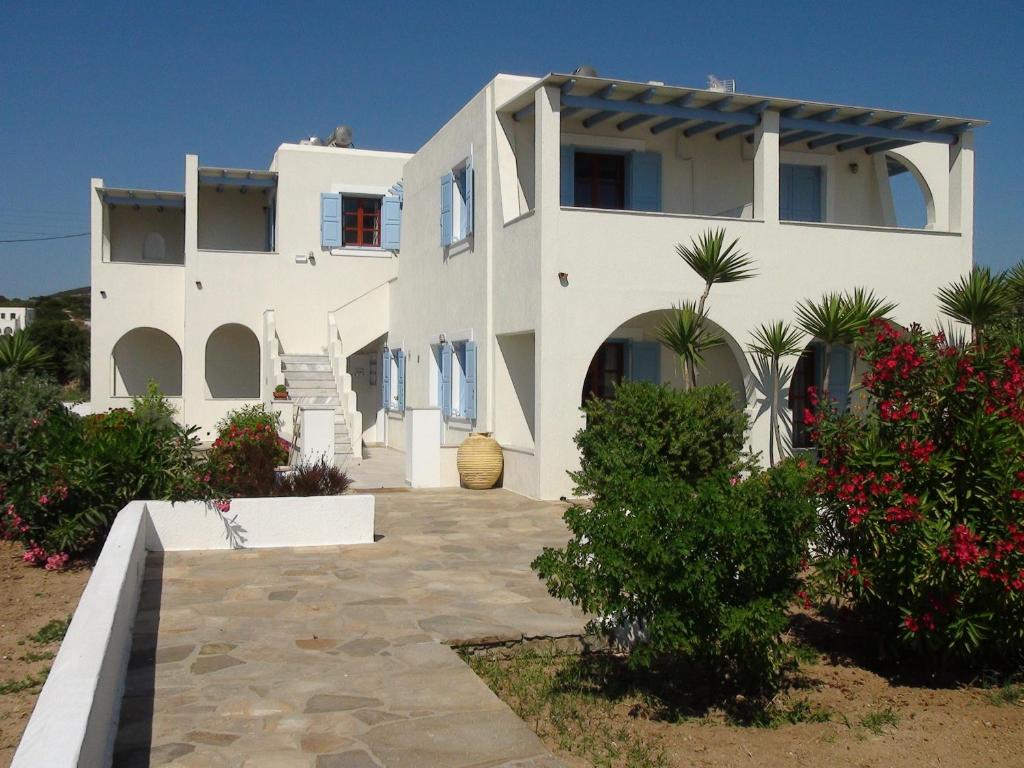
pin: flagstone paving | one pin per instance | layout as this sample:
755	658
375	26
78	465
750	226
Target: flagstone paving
340	657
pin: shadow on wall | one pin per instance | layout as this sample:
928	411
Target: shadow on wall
143	355
233	362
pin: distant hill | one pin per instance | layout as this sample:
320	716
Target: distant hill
75	303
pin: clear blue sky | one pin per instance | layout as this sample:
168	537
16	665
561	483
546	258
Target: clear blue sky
124	92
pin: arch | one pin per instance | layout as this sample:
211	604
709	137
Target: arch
913	201
631	350
233	362
154	247
143	355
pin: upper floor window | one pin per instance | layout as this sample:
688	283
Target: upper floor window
800	192
611	180
361	221
599	181
457	203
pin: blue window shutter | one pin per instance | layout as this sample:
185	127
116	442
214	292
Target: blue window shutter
385	379
330	220
646	361
800	193
446	380
467	225
391	223
469	397
567	175
400	384
447	182
644	181
839	373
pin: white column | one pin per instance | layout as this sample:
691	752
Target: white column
961	192
547	138
766	168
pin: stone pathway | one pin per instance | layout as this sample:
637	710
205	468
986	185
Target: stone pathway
380	468
339	657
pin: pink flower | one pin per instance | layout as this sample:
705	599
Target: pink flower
222	505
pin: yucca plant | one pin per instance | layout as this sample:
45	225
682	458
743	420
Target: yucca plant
977	299
772	342
683	331
831	321
715	262
19	354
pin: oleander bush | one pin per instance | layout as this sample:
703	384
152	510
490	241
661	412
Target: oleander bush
244	458
922	529
65	477
684	540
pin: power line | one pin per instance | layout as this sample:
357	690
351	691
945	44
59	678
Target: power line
52	237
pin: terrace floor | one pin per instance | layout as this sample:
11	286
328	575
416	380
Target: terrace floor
339	657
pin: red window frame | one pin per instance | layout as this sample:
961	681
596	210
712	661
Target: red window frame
606	177
360	218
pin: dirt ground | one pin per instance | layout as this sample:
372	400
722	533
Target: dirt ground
30	599
835	711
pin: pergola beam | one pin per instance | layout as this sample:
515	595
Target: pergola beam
604	114
799	135
754	109
660	110
852	129
835	138
565	88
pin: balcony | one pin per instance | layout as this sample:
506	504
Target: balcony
143	226
236	210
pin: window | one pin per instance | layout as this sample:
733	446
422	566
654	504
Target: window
458	380
607	370
457	203
805	376
392	380
361	221
800	189
599	181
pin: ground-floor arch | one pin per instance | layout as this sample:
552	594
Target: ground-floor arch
143	355
632	352
233	362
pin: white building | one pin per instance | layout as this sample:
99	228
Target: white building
14	319
522	257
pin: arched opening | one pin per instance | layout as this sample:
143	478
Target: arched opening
912	199
154	247
143	355
632	352
233	363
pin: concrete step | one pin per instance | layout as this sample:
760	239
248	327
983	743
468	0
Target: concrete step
306	367
315	399
302	358
313	389
327	377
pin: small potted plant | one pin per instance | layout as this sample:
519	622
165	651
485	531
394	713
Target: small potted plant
280	392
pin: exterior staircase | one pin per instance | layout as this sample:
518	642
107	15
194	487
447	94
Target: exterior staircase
310	381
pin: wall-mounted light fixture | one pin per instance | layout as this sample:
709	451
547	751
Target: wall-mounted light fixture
563	278
312	259
103	294
440	338
199	284
854	167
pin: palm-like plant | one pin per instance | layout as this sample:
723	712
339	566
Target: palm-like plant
976	299
831	321
683	332
715	262
19	354
774	341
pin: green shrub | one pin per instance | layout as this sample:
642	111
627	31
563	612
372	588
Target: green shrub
922	531
249	417
676	544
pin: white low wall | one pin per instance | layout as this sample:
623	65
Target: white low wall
313	521
75	719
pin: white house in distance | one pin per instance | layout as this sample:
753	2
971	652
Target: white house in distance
14	319
517	262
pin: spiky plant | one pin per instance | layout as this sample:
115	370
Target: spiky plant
1014	279
715	262
976	299
19	354
832	322
772	342
684	332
